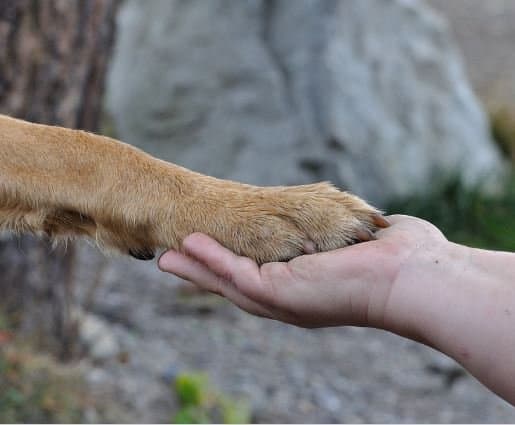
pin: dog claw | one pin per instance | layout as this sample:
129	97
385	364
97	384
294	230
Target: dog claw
142	254
380	221
365	235
310	247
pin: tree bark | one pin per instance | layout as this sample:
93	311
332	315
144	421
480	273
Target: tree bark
53	60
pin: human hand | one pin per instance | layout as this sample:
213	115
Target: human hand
410	281
348	286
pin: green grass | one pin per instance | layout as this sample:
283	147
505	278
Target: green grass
34	389
467	216
201	404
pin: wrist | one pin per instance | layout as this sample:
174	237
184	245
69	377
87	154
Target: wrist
427	292
460	301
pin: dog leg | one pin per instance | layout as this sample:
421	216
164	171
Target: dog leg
64	183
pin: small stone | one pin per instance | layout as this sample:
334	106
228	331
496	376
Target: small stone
97	337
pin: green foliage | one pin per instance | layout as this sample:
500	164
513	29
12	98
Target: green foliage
502	124
235	412
200	403
469	216
191	415
191	389
4	322
33	389
465	215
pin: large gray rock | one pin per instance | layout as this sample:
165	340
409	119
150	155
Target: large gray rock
370	94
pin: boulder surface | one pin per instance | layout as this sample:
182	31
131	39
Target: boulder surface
369	94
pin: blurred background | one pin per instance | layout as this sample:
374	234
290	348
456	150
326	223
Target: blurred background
410	104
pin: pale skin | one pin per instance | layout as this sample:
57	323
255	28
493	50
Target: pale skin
410	281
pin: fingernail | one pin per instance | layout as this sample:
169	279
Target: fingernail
163	263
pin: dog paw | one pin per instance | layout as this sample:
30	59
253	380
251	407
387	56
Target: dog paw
265	224
278	224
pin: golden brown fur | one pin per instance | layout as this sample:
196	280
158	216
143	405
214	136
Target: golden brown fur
61	183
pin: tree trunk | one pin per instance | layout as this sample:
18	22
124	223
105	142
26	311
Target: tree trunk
53	59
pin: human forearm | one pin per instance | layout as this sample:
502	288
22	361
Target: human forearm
461	301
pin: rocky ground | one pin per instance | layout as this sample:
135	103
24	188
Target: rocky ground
287	374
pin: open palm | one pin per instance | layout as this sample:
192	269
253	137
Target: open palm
348	286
